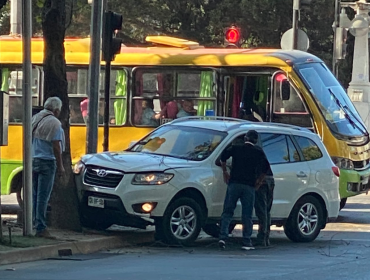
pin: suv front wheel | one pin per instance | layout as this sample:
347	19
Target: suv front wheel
181	223
305	220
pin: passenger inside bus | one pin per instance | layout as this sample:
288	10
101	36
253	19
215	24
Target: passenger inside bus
187	109
149	117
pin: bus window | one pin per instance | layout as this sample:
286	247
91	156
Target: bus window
12	83
288	107
78	99
172	94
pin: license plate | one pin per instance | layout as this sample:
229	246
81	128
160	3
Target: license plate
95	202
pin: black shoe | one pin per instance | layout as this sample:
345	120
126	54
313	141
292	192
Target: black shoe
260	243
222	244
268	242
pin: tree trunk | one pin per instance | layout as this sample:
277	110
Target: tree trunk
64	202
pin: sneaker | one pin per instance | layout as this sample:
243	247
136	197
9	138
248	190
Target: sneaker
222	244
248	247
45	234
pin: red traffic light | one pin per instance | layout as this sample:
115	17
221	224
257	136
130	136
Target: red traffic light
232	35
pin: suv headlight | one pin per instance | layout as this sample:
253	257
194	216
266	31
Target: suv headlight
151	178
343	163
78	167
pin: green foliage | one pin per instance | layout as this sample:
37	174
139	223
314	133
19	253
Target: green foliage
262	22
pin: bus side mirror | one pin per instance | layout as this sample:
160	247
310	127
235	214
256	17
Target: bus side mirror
285	90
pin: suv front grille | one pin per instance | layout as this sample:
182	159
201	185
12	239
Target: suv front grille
102	177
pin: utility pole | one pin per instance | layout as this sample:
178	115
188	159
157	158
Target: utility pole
94	76
16	17
296	7
27	115
335	26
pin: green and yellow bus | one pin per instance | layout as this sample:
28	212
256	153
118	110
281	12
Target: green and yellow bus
270	85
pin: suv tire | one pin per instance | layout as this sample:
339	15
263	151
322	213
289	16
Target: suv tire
305	220
182	222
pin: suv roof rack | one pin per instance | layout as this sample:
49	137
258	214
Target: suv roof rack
213	118
284	125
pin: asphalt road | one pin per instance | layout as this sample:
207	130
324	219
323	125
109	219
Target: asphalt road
342	251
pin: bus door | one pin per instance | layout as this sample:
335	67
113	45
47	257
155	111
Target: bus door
287	105
246	95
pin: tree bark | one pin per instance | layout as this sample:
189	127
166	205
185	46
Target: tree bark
64	201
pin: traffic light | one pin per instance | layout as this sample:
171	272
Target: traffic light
232	37
110	44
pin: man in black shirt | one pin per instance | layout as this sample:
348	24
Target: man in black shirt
249	166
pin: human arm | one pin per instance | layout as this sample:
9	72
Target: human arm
58	156
224	156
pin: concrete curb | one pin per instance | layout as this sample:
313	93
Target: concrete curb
88	246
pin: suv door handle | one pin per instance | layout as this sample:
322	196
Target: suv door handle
301	174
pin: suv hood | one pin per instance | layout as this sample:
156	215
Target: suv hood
136	162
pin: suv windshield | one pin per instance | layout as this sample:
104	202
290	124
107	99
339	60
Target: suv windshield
181	142
333	102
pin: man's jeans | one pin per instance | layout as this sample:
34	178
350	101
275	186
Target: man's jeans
262	205
43	180
246	195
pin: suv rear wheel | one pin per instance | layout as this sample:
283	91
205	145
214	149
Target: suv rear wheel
181	223
305	220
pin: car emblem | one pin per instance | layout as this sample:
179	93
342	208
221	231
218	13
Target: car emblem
101	173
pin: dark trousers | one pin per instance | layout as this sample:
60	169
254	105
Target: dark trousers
246	195
262	207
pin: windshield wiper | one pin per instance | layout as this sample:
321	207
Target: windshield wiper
345	109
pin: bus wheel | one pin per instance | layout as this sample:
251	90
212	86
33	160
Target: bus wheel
343	202
305	220
214	229
182	222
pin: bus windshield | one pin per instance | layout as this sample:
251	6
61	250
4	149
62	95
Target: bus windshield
333	102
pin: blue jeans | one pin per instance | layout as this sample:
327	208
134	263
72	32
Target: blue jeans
43	180
246	195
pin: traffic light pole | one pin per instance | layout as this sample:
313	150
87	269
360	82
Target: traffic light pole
106	105
94	74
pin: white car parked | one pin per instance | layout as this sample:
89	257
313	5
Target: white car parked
172	179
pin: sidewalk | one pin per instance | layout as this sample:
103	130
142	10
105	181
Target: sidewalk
31	248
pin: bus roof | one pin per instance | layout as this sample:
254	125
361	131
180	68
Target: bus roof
176	53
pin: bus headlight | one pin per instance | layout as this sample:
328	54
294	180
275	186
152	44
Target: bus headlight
151	178
79	166
343	163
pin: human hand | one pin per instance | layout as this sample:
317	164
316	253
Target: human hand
226	177
61	171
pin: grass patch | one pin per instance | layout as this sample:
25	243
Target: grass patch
23	242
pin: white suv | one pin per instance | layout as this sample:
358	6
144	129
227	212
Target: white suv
172	179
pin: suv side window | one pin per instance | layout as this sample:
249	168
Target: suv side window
293	153
279	148
309	148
